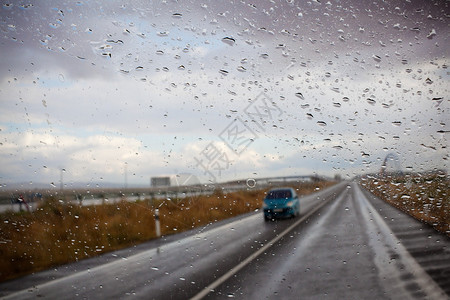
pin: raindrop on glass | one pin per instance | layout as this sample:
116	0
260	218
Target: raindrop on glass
251	183
300	95
229	40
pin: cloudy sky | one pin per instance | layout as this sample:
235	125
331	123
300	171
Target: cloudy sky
111	91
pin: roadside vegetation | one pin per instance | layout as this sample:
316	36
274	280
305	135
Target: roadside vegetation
58	233
426	197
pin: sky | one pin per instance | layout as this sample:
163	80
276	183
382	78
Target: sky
103	92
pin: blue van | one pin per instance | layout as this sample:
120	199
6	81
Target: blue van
281	202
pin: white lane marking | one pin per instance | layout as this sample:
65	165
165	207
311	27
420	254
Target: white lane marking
384	241
315	232
254	255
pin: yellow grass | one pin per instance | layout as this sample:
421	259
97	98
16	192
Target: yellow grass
426	198
60	233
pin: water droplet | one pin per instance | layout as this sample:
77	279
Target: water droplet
431	34
321	123
397	123
155	268
371	101
251	183
54	25
335	89
177	15
300	95
229	40
347	209
376	58
223	72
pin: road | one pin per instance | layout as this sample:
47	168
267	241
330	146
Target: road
347	244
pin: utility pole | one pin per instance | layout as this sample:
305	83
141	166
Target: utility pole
61	182
125	175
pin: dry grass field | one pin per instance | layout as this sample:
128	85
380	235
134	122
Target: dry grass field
426	197
58	233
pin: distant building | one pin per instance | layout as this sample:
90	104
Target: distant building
160	181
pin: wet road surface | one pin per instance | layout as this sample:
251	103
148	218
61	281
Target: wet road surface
343	246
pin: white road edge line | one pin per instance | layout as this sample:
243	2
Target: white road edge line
426	283
254	255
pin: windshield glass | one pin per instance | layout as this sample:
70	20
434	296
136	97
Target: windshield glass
279	194
132	129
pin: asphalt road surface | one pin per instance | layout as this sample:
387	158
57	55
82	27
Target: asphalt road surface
346	244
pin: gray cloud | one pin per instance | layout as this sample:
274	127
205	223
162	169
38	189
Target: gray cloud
160	80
